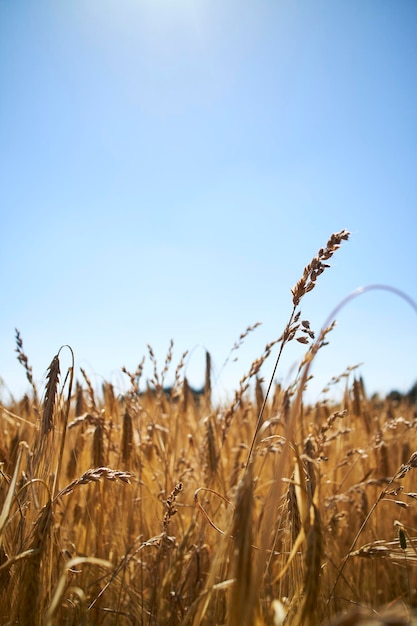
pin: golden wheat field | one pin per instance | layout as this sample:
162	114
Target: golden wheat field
162	507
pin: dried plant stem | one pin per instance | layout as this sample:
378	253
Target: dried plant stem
268	391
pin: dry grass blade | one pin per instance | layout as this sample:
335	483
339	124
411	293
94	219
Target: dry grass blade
127	437
32	573
5	512
307	614
203	511
242	600
98	444
207	381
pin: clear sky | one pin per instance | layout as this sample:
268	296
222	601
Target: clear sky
168	167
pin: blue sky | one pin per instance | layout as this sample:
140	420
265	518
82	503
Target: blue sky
168	168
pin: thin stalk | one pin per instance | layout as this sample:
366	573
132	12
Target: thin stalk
268	391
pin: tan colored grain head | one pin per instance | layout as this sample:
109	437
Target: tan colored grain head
51	395
23	360
94	476
317	266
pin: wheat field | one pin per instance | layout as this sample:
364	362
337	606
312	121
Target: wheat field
159	506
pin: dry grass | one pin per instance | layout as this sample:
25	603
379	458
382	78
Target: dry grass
163	508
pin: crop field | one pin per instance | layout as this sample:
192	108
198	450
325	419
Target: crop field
163	507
